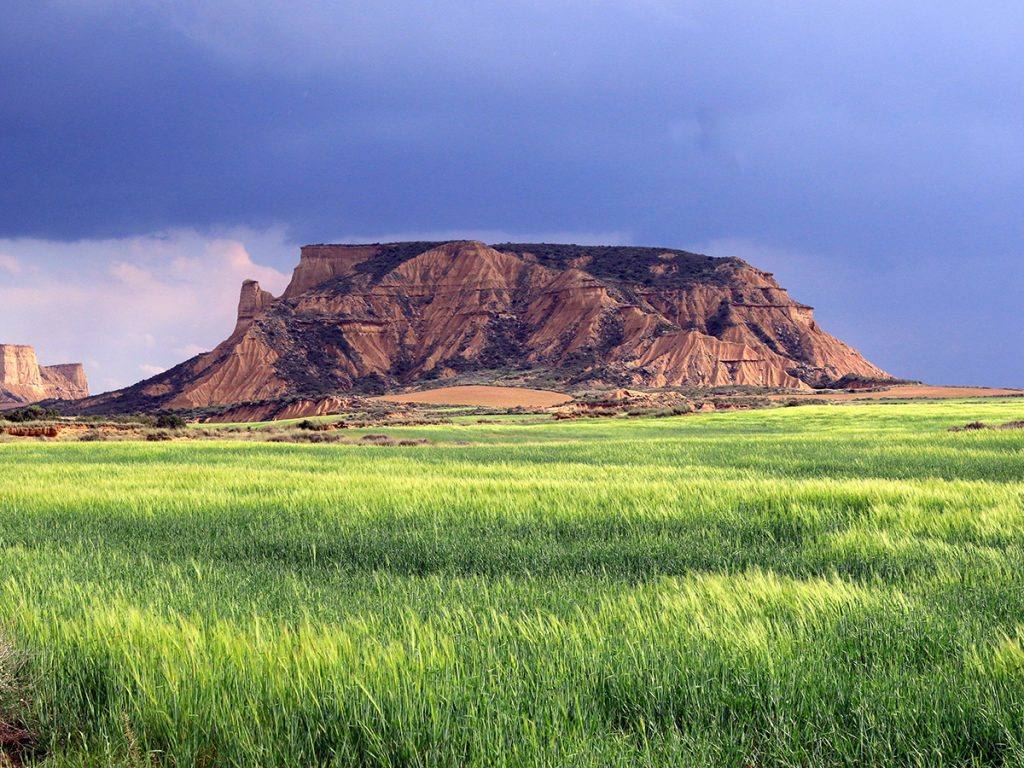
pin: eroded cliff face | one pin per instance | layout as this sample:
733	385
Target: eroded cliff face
24	381
66	381
368	317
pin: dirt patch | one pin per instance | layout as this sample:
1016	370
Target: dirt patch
906	392
494	397
15	744
44	431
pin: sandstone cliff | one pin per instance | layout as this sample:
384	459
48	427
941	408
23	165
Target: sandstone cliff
23	380
65	381
364	318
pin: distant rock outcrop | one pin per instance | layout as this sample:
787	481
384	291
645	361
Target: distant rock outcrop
65	381
367	318
24	381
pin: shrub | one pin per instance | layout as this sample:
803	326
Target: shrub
30	413
972	427
312	426
170	421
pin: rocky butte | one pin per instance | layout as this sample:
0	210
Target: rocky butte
369	318
23	380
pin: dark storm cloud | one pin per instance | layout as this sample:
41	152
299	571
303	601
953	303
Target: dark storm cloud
877	141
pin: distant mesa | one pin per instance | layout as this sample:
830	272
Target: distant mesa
375	318
23	380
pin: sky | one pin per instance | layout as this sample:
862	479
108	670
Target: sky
155	154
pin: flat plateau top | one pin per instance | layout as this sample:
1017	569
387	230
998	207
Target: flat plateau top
912	391
495	397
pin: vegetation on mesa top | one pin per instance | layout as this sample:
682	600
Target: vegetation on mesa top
821	586
632	264
613	262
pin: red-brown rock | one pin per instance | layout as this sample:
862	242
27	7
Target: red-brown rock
24	381
364	318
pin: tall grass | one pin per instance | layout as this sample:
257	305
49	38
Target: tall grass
806	586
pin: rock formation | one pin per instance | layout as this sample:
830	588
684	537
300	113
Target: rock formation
65	381
251	303
365	318
24	381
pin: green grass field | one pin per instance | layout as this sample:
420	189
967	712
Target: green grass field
819	586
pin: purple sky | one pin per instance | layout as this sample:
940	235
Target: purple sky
154	154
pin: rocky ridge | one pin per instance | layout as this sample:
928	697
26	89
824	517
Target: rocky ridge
365	319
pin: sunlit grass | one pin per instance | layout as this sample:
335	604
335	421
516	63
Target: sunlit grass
802	586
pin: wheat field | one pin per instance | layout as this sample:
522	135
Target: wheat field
811	586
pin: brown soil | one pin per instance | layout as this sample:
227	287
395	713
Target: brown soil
49	430
13	742
493	397
907	392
